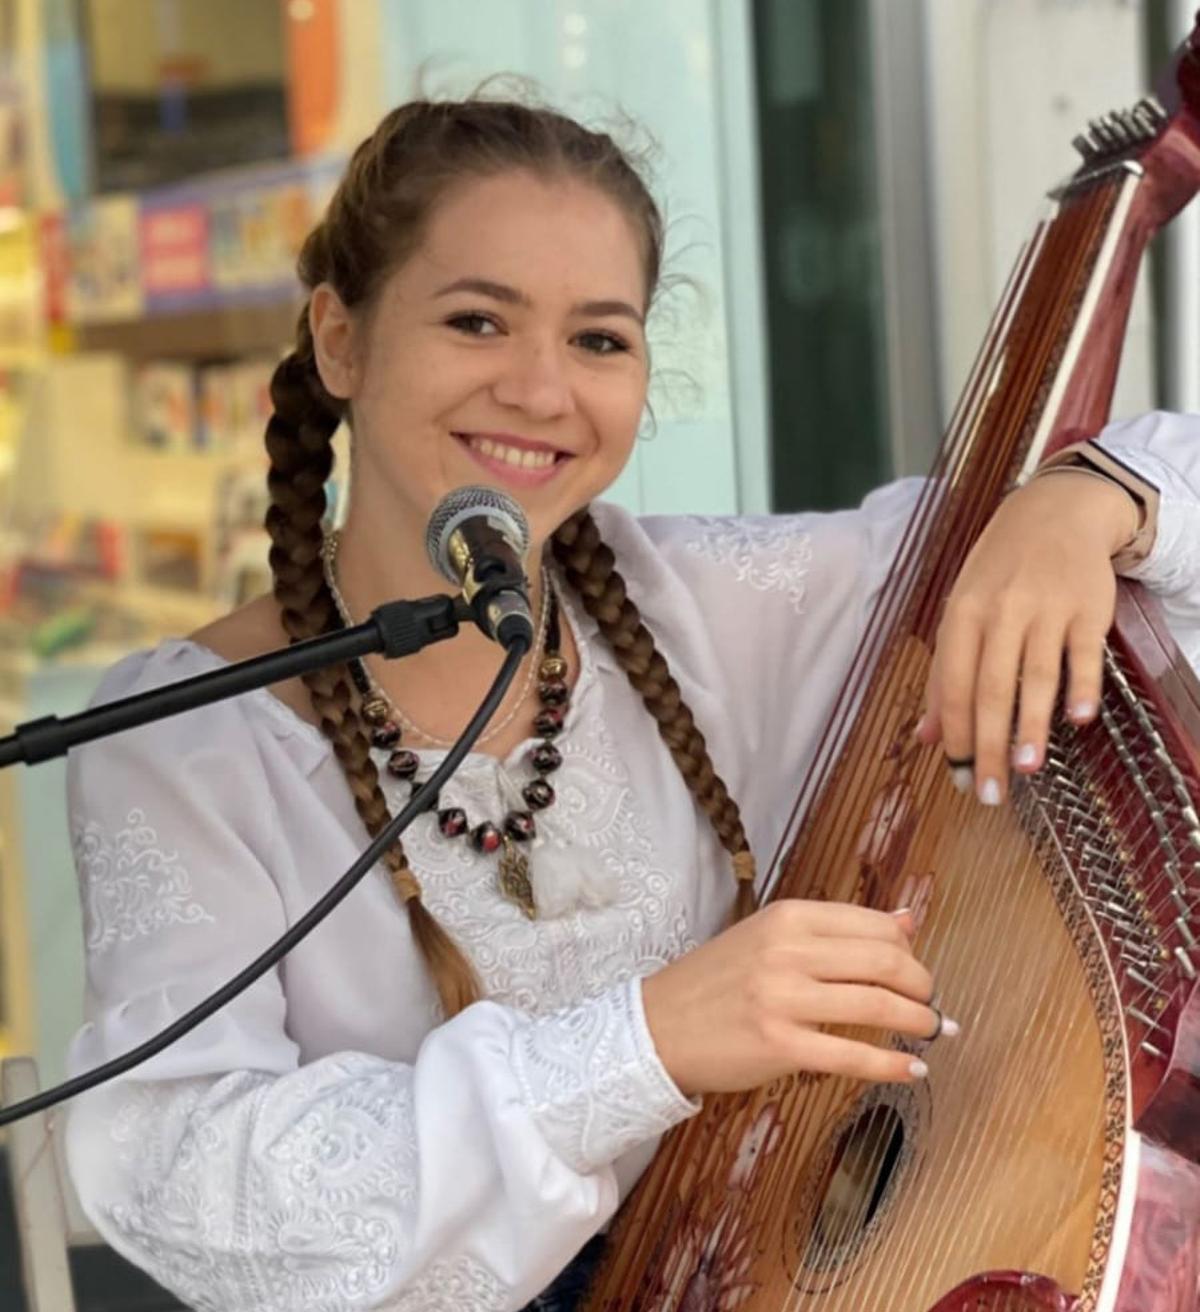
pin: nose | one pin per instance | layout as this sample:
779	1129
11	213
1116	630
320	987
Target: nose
534	378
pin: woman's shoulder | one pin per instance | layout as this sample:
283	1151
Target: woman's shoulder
251	630
762	559
254	630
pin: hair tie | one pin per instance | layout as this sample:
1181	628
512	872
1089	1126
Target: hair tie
404	882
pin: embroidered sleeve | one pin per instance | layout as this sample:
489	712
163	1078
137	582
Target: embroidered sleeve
353	1182
594	1081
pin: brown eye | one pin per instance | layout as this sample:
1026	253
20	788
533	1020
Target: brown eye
473	325
602	343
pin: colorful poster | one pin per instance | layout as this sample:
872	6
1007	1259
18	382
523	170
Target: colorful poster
105	281
176	268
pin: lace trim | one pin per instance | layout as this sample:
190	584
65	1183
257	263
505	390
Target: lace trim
594	1081
769	554
132	888
463	1285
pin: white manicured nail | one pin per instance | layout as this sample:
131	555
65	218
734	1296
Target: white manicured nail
963	778
917	1069
1025	755
989	792
1082	710
950	1028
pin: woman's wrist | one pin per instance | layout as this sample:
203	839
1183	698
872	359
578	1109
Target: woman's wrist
1103	503
1094	461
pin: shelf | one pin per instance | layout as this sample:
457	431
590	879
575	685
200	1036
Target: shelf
227	331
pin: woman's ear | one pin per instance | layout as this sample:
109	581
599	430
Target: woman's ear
332	328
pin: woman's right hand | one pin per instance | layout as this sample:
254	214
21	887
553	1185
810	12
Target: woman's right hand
745	1007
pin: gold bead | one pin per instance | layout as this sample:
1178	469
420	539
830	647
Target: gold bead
553	667
375	710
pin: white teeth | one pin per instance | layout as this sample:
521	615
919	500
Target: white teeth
510	455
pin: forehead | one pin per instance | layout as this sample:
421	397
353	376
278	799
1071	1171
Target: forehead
542	237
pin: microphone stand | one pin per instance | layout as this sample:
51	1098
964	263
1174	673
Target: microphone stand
397	628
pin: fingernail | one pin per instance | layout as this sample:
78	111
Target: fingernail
902	911
1082	710
963	778
989	792
917	1069
950	1028
920	729
1025	755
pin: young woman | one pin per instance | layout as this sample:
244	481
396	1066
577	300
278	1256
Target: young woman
442	1096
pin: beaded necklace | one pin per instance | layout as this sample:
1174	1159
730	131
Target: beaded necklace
518	828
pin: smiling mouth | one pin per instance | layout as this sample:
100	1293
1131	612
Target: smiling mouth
517	459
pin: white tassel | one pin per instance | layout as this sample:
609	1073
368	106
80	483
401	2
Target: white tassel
567	878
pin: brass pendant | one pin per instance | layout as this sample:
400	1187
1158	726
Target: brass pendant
514	879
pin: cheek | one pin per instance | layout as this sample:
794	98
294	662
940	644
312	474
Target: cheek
417	389
620	414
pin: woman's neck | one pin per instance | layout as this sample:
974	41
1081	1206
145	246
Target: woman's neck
439	687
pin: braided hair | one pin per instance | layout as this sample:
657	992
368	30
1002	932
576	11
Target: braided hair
373	223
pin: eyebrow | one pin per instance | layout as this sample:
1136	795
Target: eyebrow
499	291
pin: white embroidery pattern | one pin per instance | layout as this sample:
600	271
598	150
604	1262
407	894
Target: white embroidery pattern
541	966
770	553
327	1168
596	1089
131	887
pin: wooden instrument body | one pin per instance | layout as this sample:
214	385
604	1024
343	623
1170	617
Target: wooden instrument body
1052	1158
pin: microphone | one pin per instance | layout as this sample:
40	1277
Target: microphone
477	538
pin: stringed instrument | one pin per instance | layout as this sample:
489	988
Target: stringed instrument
1051	1160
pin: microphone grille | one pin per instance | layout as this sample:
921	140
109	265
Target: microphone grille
464	503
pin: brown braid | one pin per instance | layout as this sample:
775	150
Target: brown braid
300	445
590	569
373	223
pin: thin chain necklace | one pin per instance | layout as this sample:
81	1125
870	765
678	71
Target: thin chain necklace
375	700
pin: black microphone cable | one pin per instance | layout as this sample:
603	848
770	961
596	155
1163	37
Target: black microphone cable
419	801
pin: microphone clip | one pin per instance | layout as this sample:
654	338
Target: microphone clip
495	590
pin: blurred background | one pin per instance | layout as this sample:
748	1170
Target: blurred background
847	183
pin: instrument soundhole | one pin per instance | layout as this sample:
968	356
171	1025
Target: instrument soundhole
857	1180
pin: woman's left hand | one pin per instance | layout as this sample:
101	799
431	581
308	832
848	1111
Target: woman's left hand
1037	584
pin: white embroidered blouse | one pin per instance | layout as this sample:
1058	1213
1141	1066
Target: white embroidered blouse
324	1143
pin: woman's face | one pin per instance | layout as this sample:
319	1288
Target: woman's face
509	350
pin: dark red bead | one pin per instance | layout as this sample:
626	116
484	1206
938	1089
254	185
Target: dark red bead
519	825
386	735
548	722
404	764
486	837
553	693
545	758
452	821
537	794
